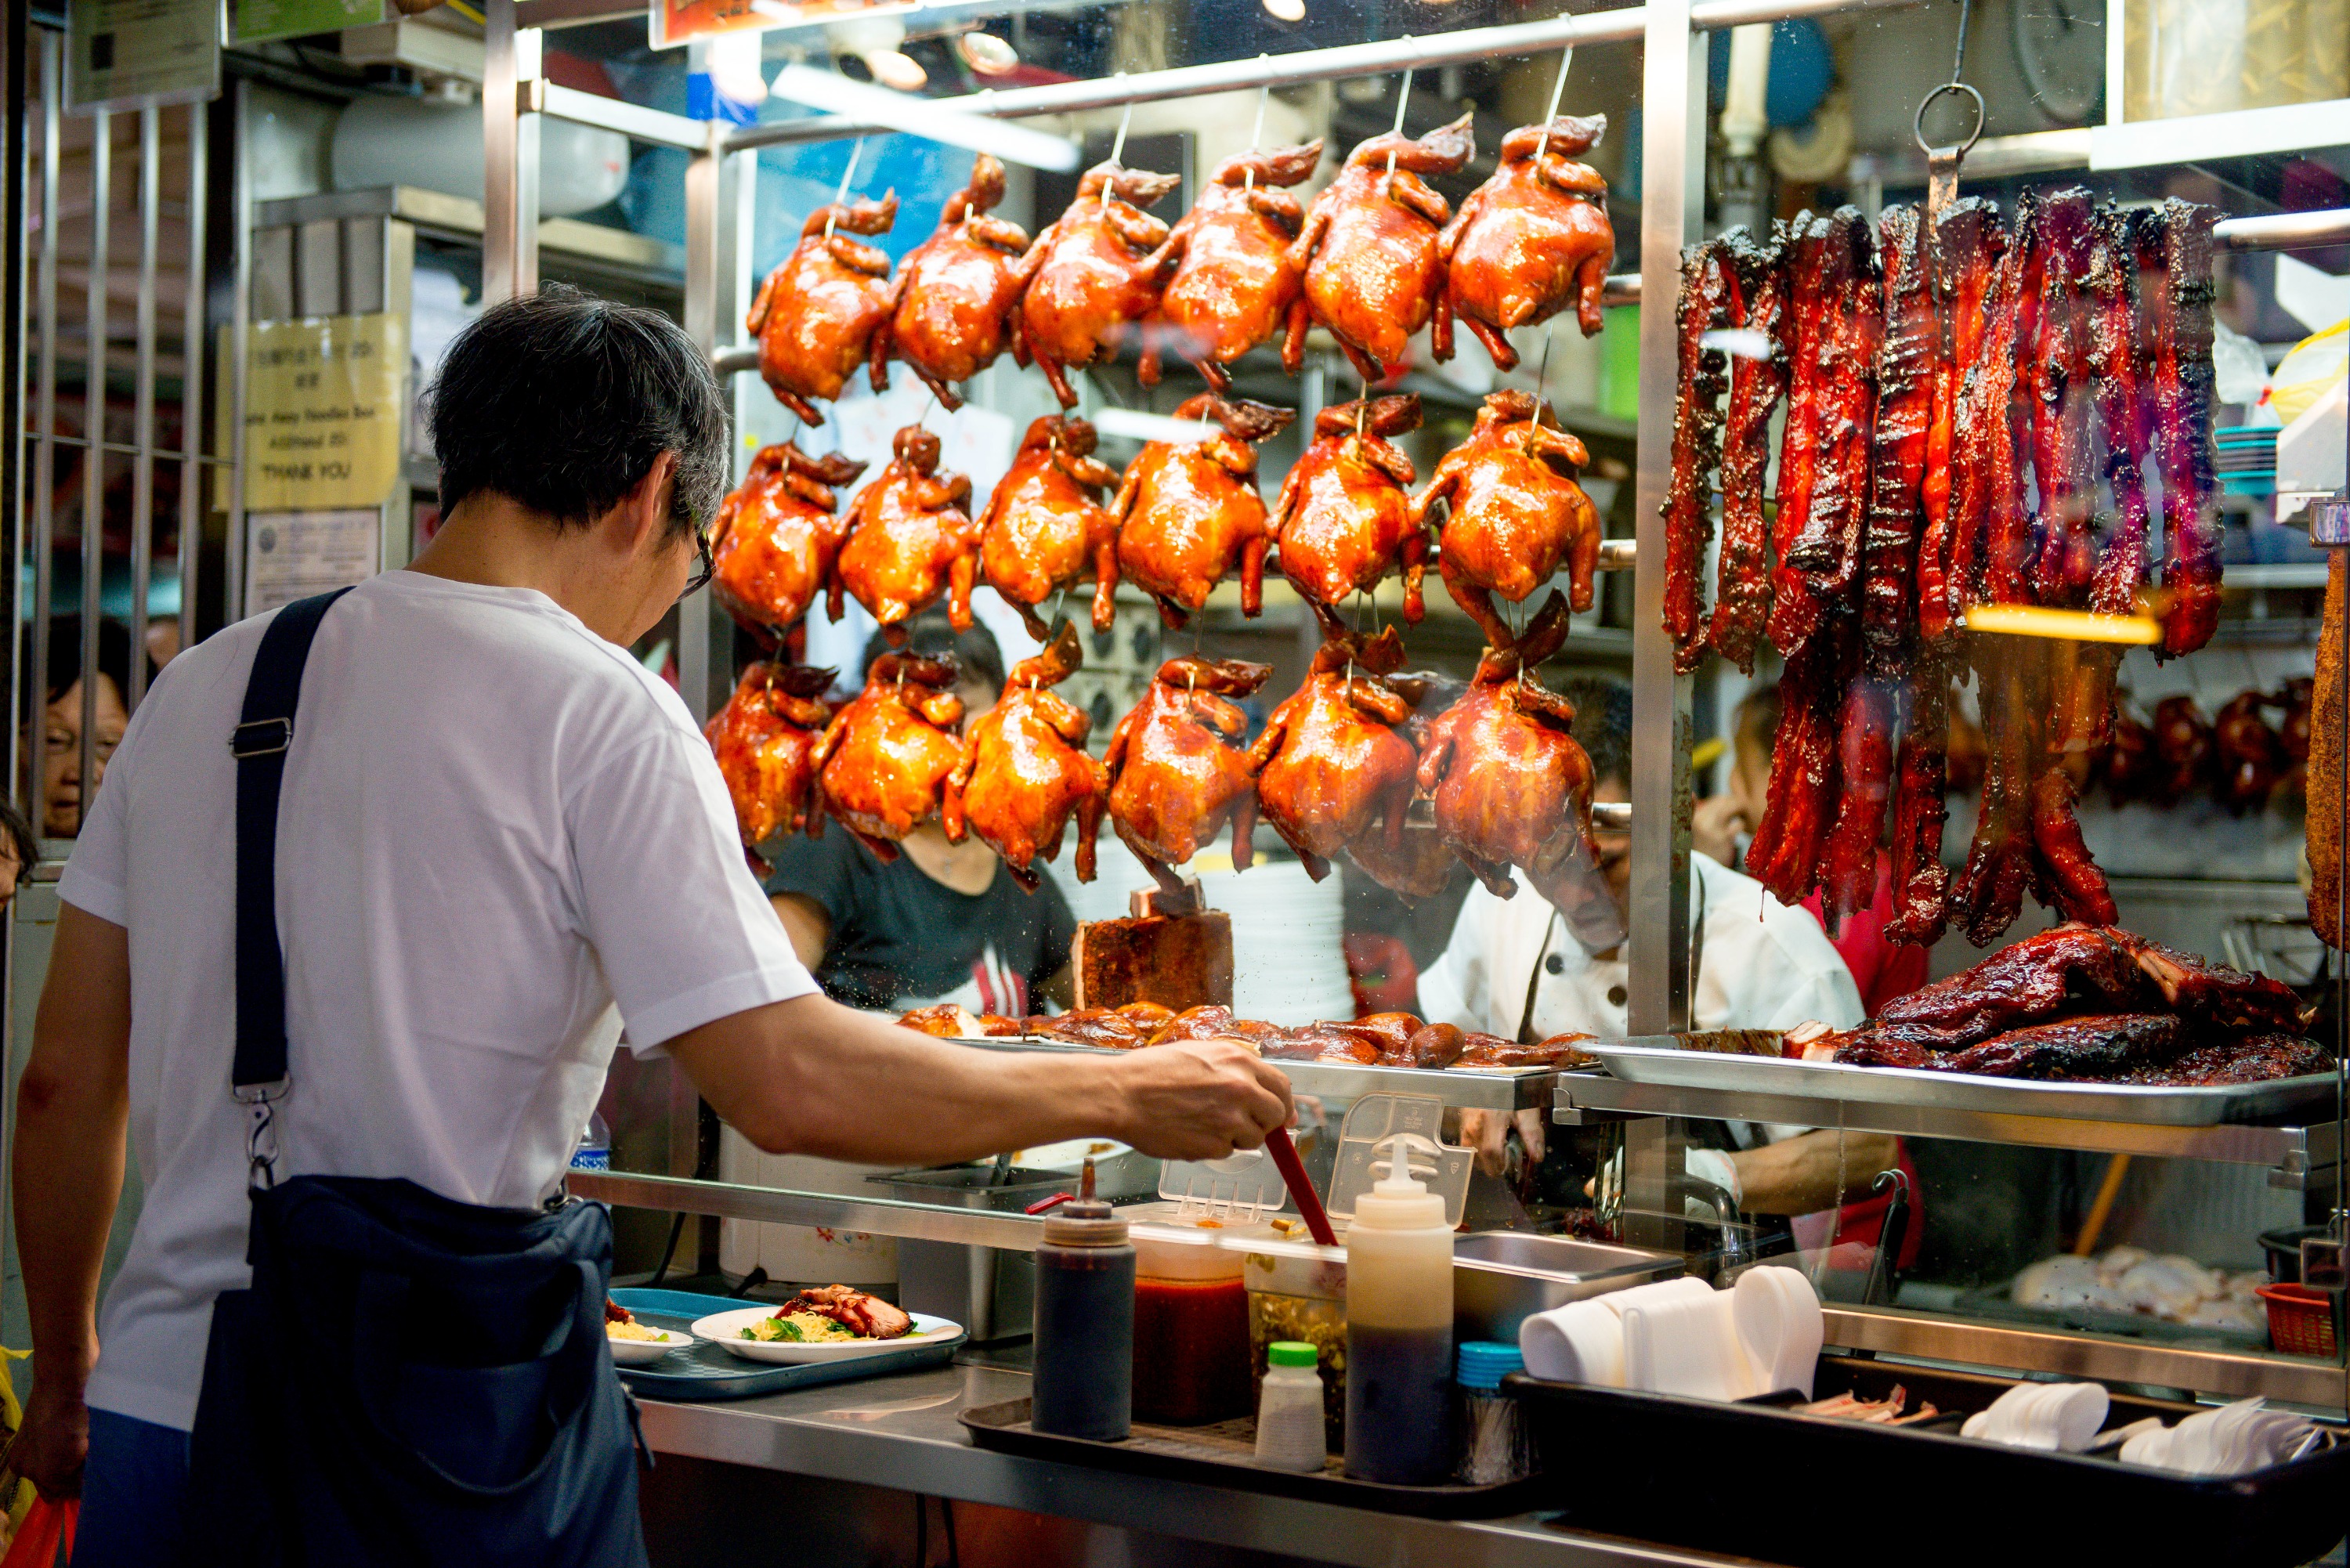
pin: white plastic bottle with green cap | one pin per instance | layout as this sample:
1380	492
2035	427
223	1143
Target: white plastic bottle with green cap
1289	1409
1399	1330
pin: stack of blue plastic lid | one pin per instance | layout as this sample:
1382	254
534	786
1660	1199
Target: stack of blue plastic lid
2246	459
1484	1363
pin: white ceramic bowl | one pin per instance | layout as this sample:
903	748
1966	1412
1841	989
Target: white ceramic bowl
726	1328
642	1352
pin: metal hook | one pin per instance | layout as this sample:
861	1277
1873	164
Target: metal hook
1566	58
1403	101
1117	147
847	176
1256	132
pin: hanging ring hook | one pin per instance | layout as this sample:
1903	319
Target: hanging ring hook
1917	126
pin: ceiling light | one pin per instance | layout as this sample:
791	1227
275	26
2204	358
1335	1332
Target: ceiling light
1287	10
987	54
896	69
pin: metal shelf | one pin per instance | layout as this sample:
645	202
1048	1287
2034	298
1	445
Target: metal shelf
2295	1154
1468	1088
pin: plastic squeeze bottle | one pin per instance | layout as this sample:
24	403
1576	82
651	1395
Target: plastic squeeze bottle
1399	1331
1085	1322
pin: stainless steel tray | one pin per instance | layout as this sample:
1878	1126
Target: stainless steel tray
1472	1088
1658	1059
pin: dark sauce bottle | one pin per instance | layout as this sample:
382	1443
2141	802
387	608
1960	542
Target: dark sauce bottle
1085	1323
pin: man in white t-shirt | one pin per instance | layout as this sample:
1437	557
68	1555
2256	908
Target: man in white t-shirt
502	846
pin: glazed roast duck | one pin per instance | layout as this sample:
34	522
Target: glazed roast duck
1514	514
1345	519
1190	511
1176	770
908	540
1370	252
816	316
1230	280
1093	276
956	291
1046	527
886	756
765	739
1533	238
777	536
1025	770
1333	767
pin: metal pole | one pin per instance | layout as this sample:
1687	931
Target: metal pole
93	450
510	149
1383	59
195	339
1672	206
142	471
45	459
240	336
710	244
15	135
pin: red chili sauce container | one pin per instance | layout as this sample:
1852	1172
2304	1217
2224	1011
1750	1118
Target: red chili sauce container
1190	1331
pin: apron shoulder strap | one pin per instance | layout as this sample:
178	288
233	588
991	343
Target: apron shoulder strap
259	742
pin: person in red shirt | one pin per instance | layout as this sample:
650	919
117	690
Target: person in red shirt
1723	824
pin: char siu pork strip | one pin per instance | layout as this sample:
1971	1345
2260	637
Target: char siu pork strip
1864	783
2258	1060
2120	402
2101	1046
1794	612
1827	553
1891	581
2325	762
2183	398
1964	251
2063	388
1920	882
2024	983
1741	600
1703	307
1989	892
1801	800
2212	994
1991	532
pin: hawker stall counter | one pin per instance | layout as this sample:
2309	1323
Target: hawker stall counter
905	1432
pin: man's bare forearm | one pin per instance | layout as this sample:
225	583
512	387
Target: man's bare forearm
72	1112
810	1077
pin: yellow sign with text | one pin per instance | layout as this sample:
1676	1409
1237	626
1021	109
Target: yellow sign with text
322	411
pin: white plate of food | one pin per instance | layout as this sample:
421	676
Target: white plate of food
638	1344
833	1323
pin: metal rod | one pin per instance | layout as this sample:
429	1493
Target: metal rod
193	333
2283	231
44	459
1383	59
93	462
510	152
16	43
240	336
143	464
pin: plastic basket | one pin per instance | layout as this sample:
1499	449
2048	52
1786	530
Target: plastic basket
2300	1320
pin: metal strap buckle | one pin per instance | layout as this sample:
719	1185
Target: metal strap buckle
260	738
261	1093
260	1146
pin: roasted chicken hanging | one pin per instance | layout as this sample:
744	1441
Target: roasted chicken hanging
1046	526
1333	768
1511	785
816	314
777	535
1230	281
1417	863
1176	771
765	739
1025	769
1370	250
1533	238
956	290
1093	274
1515	515
909	540
1189	512
1345	517
885	757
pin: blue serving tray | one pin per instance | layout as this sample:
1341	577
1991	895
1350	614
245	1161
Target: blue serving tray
705	1370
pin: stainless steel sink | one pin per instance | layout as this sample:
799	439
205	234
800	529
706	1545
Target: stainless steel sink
1500	1278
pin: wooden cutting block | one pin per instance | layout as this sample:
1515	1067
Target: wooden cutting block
1173	950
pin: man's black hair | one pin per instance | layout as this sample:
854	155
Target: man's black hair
1603	723
65	659
930	633
561	402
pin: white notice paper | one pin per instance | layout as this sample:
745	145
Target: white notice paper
290	556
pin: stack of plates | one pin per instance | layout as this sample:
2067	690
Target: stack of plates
2247	459
1288	966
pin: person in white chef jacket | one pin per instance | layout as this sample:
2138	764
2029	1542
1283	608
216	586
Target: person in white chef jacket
1514	968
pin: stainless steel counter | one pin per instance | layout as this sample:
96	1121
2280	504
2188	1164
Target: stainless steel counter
902	1432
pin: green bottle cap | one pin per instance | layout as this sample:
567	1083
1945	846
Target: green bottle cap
1291	1353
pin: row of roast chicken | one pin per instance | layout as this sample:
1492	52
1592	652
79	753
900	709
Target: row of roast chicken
1378	256
1378	1040
1185	516
1403	772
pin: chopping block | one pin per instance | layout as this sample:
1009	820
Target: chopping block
1173	950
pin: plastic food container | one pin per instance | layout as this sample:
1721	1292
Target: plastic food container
1296	1294
1190	1330
2300	1320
